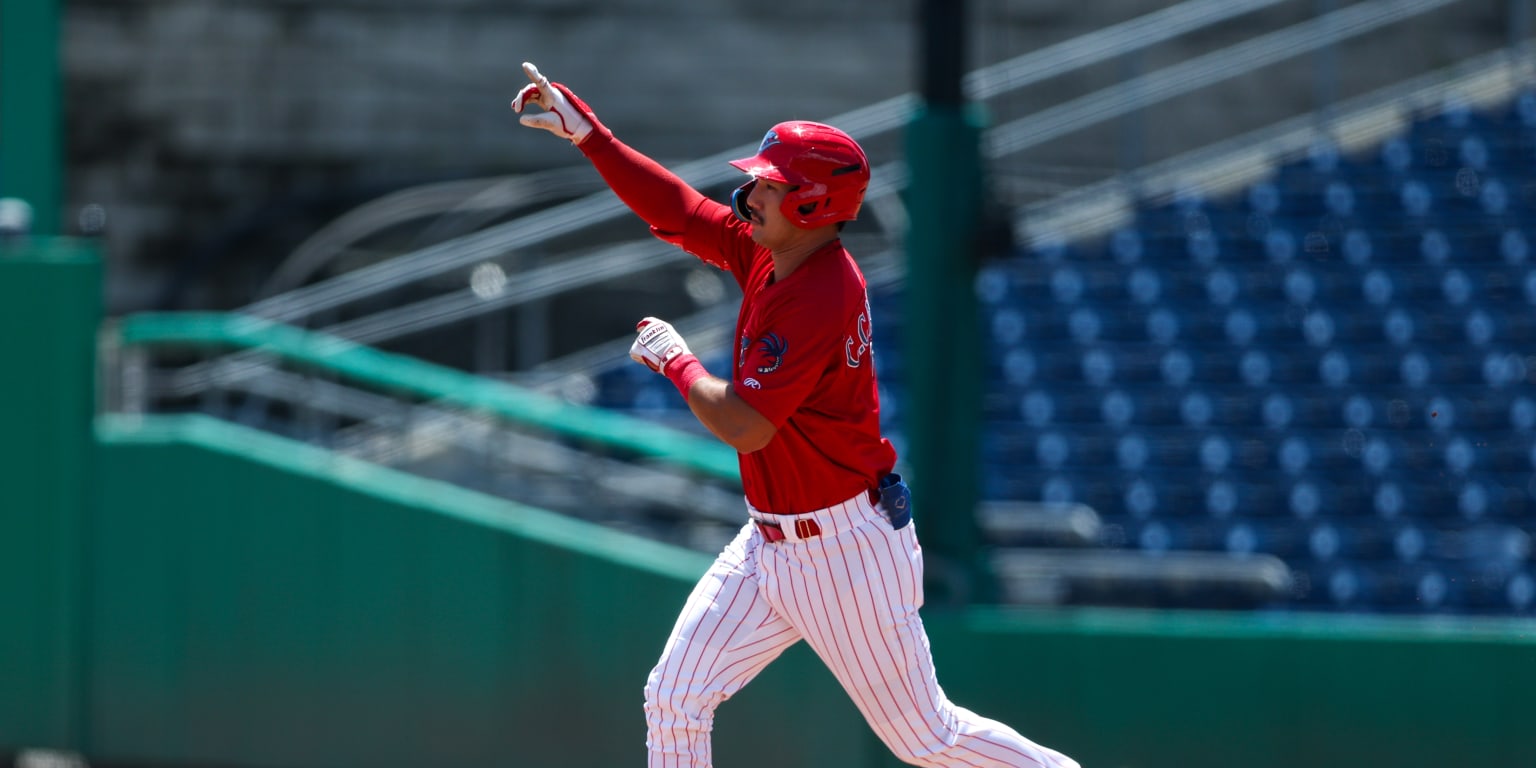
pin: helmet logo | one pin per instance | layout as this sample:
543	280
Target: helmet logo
769	139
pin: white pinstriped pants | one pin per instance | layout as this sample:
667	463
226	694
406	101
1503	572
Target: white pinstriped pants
852	593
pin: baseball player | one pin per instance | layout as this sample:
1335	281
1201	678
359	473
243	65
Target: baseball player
829	554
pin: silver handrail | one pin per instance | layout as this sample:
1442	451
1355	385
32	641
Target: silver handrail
481	197
888	179
611	262
887	115
1360	121
541	283
1012	137
1199	72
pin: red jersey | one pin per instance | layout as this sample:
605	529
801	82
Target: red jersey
804	352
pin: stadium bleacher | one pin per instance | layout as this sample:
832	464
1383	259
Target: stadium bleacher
1333	366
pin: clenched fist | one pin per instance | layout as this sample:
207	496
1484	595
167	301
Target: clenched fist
657	344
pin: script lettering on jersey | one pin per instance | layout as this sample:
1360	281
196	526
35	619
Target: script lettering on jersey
855	349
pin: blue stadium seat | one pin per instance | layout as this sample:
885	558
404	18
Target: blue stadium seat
1502	369
1161	535
1522	414
1067	285
1519	593
1357	246
1245	537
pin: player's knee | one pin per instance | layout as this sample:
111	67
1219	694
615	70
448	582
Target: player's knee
913	752
919	741
655	691
668	698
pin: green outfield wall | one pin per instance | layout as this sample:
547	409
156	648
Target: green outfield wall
50	305
260	602
1175	690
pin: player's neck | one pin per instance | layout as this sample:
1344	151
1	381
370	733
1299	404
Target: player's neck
789	258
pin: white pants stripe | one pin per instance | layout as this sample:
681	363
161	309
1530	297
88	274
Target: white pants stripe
853	595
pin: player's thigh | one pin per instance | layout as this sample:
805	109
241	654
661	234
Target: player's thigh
860	614
727	631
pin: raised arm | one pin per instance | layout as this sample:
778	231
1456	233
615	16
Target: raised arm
654	193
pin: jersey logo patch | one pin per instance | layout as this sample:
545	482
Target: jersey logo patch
774	347
752	383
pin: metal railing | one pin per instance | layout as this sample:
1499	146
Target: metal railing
301	304
448	402
435	421
864	123
454	207
1200	72
633	258
417	379
1352	124
990	82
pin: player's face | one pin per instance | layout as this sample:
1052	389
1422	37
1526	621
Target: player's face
770	228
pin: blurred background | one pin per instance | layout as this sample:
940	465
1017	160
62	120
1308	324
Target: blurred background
1206	332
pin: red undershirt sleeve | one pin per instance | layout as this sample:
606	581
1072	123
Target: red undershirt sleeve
677	213
654	193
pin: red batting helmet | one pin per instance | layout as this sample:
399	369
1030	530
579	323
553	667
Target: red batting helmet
826	166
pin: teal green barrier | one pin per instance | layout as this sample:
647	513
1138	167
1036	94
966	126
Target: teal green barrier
50	304
261	602
1131	689
389	372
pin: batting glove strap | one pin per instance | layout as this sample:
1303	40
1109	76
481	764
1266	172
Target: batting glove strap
683	371
564	115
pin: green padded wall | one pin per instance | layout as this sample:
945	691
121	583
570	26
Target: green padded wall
261	602
50	305
1132	689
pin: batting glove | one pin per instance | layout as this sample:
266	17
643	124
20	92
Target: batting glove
564	115
657	344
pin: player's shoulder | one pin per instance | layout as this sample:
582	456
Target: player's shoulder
824	288
836	277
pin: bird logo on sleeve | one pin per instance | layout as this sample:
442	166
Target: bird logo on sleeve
773	347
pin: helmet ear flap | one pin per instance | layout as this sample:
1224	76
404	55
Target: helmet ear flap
739	201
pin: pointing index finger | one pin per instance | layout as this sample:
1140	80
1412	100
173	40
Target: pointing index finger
533	74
